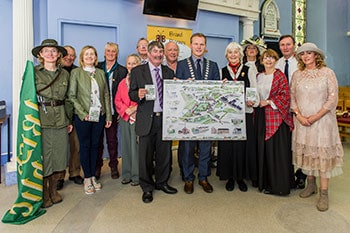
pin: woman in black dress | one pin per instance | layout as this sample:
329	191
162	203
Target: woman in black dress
237	159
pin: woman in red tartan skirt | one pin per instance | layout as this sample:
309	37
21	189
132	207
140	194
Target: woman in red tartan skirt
274	126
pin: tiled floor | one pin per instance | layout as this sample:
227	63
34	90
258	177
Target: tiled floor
118	208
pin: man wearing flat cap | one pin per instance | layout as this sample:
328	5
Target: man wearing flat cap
55	111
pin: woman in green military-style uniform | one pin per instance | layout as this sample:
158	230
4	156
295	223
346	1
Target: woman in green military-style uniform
55	114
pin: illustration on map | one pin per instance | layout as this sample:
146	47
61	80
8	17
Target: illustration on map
203	110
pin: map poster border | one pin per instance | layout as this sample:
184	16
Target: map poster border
203	110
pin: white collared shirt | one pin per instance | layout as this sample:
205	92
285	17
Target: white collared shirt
156	107
293	65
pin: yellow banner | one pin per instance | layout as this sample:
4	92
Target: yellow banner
181	36
164	34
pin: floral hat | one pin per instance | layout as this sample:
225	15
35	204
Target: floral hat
255	40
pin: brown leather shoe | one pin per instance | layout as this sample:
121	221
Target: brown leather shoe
114	173
206	186
188	188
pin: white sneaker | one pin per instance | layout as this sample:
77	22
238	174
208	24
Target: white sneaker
97	186
88	186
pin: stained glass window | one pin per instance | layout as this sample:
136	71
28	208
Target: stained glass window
299	21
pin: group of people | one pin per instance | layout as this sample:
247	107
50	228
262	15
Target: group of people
299	84
290	121
69	95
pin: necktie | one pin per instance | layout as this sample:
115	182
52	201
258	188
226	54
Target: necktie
286	68
159	87
199	69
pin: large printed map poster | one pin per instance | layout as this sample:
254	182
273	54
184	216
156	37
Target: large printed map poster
203	110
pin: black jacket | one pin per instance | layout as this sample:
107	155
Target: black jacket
139	77
119	72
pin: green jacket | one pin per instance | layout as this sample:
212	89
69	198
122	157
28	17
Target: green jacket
53	116
79	92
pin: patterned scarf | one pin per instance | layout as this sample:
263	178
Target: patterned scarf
234	67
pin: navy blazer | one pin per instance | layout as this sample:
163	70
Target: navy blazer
139	77
183	70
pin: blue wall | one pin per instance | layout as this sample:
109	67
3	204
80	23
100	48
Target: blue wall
6	63
327	26
129	23
337	42
328	21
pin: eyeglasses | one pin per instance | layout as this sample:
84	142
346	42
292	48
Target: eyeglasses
46	51
142	46
269	58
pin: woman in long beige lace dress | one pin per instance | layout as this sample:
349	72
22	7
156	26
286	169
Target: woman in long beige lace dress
316	144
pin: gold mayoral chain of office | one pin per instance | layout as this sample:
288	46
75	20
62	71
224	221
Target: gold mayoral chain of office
206	71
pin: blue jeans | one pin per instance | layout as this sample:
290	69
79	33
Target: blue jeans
89	137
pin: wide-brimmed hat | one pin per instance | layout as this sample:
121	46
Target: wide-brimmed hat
310	47
255	40
49	43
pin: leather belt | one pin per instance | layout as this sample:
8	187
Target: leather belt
53	103
157	114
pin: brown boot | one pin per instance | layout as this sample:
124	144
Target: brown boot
322	204
55	196
114	173
311	188
46	194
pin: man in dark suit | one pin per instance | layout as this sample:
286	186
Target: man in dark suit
141	48
74	156
114	73
149	122
197	67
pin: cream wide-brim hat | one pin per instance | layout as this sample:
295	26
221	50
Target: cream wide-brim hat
308	46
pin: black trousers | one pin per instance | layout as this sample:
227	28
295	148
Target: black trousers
152	146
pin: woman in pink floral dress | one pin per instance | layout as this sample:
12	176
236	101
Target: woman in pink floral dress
316	144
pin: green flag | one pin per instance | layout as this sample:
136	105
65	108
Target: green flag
29	155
